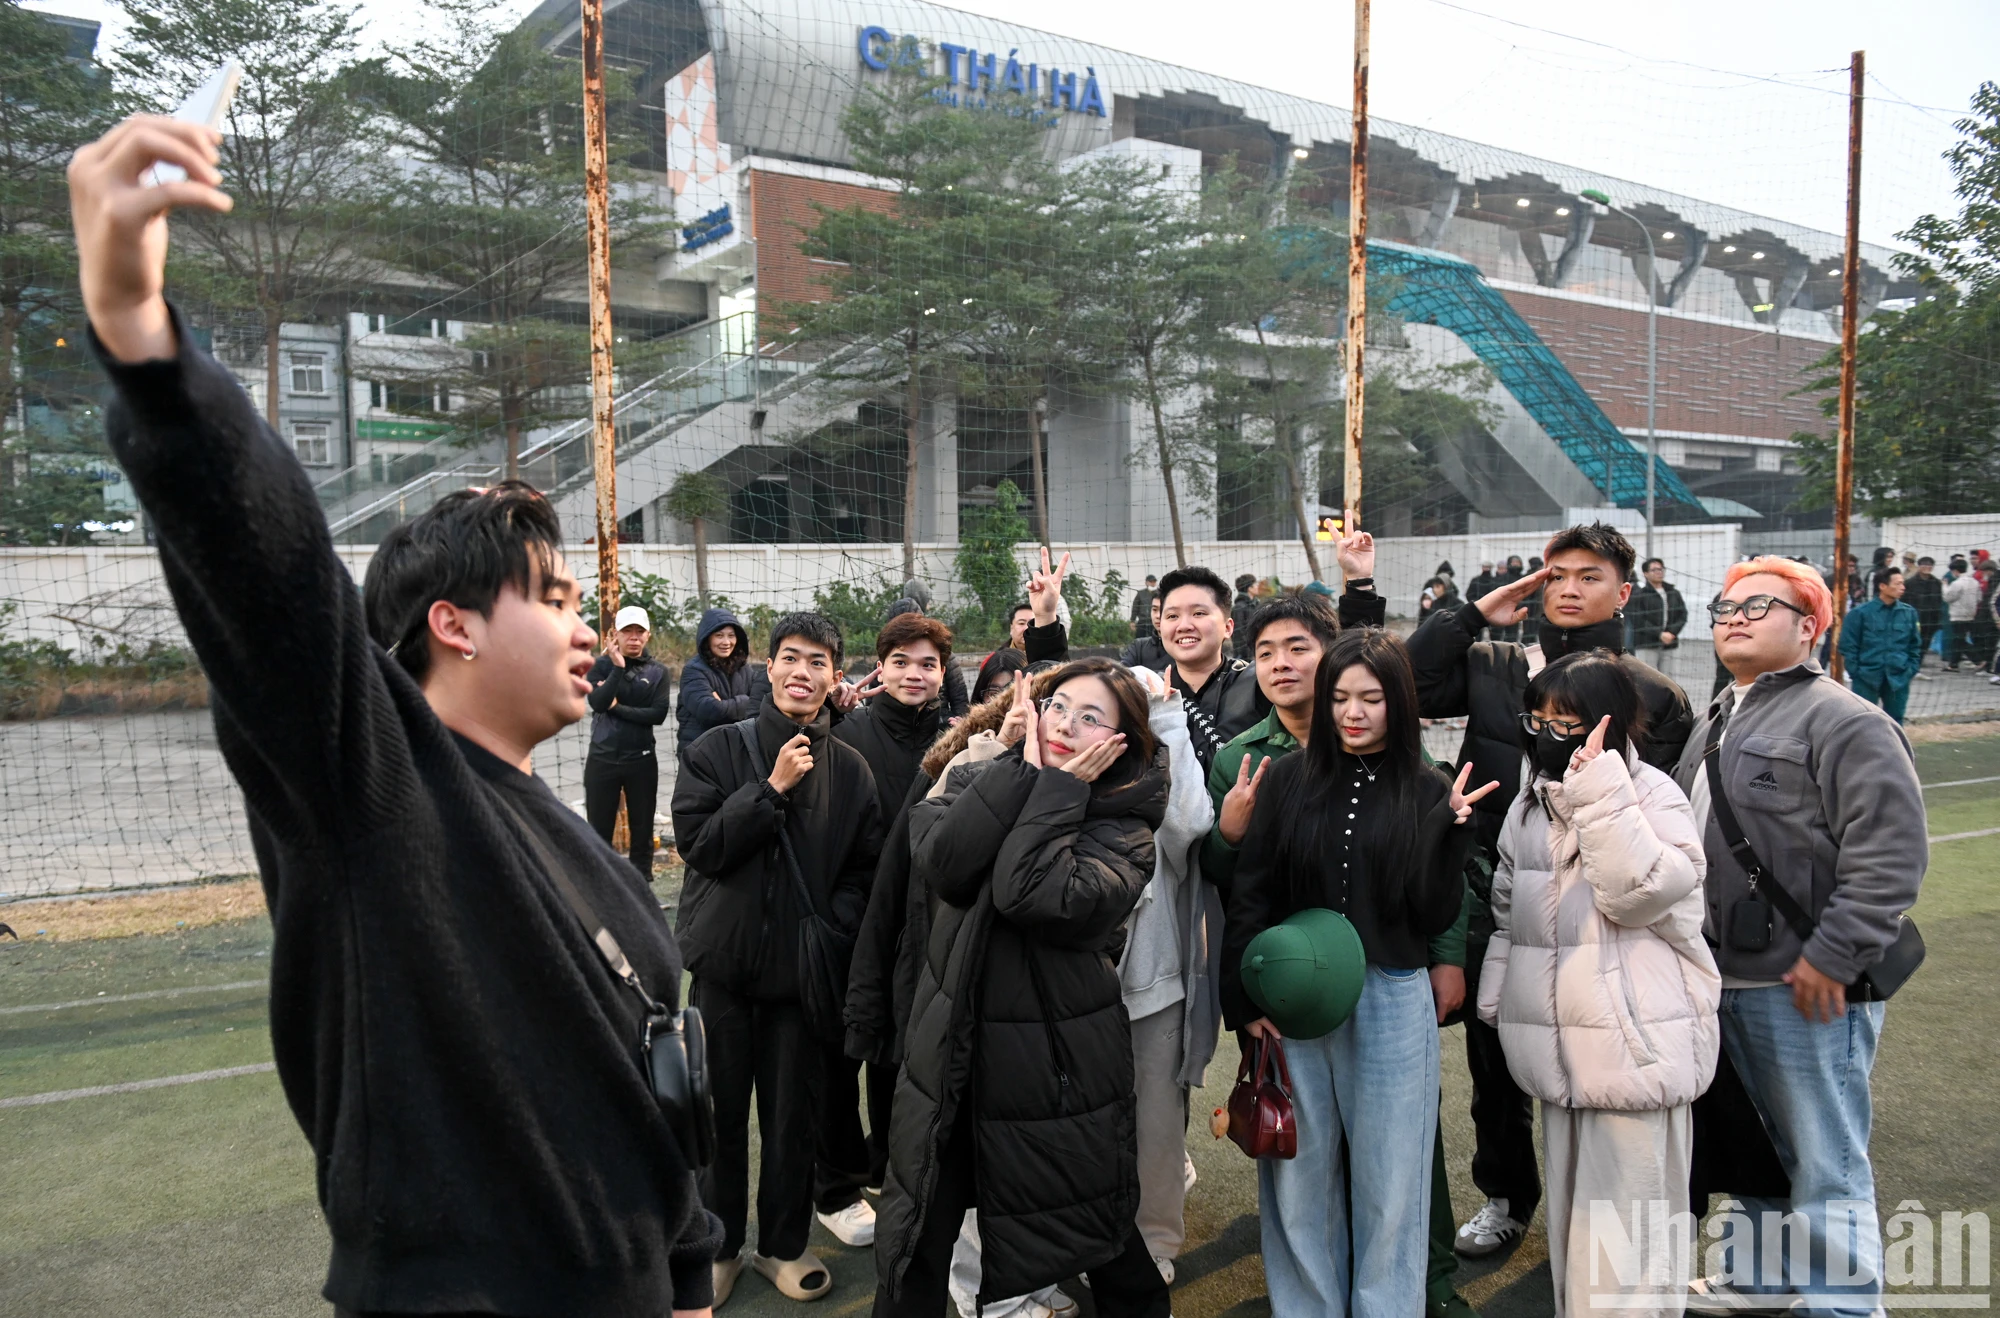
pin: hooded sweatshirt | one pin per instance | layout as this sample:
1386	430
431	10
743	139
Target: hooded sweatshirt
711	697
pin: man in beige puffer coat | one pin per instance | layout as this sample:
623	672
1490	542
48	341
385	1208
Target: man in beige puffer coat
1605	996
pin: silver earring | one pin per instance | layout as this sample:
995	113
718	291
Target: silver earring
472	654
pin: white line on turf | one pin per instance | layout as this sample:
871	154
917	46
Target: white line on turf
134	997
1960	837
131	1086
1963	782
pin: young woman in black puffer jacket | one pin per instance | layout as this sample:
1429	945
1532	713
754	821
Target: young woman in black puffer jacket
1016	1095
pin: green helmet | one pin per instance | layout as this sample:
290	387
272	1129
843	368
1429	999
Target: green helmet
1306	973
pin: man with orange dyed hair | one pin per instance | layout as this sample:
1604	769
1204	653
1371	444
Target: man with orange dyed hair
1824	789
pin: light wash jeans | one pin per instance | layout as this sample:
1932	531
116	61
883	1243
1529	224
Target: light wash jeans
1810	1083
1376	1080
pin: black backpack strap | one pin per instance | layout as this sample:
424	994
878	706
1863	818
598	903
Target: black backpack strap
1732	835
600	936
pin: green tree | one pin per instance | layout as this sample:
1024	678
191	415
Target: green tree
1148	266
1410	415
481	199
50	104
698	498
290	152
985	559
915	278
1272	352
1927	379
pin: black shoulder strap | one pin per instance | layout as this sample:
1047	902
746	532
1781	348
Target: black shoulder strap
600	937
747	729
1732	834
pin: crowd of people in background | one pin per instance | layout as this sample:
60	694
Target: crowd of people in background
1023	920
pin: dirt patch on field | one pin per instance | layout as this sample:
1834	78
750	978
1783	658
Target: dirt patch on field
1924	734
161	911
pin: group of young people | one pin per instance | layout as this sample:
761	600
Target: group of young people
1025	926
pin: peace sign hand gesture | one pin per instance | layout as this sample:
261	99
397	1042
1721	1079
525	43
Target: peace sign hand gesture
1045	588
1592	747
1461	803
1241	802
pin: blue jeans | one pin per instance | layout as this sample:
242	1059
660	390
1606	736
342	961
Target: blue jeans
1878	689
1810	1083
1375	1080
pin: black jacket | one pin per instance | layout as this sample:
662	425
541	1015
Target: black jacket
1396	920
1484	682
739	912
882	977
1482	585
1018	1024
710	697
1926	596
461	1060
1648	615
892	737
626	705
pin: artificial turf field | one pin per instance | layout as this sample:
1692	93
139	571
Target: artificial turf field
198	1199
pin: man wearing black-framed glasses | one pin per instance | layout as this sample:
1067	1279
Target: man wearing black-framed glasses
1823	787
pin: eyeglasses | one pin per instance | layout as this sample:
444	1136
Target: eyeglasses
1084	718
1562	727
1753	608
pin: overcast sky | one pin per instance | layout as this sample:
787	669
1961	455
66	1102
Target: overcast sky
1735	101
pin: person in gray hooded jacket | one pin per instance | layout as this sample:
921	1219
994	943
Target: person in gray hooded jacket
1824	788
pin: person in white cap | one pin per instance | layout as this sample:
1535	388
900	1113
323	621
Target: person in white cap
629	697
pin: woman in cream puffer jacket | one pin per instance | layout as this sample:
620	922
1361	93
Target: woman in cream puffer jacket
1598	978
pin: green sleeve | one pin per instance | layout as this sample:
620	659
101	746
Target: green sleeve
1448	948
1218	858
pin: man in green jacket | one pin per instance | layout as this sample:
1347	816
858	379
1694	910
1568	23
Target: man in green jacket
1882	645
1287	636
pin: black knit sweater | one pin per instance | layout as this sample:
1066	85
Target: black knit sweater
460	1058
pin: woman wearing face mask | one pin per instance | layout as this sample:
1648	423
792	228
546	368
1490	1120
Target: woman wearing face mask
1598	979
1355	823
1016	1096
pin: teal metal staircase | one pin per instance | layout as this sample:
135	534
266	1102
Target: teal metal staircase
1432	288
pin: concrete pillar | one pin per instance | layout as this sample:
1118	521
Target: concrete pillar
937	473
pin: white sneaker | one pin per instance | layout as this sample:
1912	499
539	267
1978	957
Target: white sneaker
1490	1231
852	1225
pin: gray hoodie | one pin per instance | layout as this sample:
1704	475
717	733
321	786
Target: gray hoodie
1825	787
1170	956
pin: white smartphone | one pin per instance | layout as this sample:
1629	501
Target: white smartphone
208	105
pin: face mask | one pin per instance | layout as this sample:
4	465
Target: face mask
1552	752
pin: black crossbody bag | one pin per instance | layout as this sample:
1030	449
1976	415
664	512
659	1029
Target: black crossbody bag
1878	983
673	1048
825	950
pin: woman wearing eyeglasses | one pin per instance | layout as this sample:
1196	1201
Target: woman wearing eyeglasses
1355	823
1016	1096
1599	982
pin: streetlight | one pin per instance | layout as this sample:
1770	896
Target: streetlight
1652	352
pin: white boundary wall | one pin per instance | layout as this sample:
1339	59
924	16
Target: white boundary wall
72	595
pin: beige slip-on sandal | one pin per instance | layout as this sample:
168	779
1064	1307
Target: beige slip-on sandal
726	1272
802	1278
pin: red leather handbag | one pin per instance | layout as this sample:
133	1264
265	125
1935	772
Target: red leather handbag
1260	1107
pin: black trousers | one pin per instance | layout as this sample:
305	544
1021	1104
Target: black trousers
765	1047
846	1158
1503	1118
1129	1286
639	781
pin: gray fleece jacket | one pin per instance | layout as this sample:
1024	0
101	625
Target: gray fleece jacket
1825	787
1170	957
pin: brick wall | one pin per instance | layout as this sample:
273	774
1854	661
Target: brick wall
1718	379
781	214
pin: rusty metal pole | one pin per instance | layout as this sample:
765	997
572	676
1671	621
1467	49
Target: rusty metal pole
1357	275
1850	306
597	207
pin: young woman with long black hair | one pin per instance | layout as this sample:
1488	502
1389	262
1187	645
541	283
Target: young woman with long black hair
1358	824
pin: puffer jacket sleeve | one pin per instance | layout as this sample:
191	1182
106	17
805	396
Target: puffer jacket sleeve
1638	857
1493	971
955	836
1071	881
